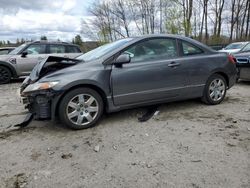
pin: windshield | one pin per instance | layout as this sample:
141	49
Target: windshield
102	50
234	46
246	48
17	49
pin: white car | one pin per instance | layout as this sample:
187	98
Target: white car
24	58
234	47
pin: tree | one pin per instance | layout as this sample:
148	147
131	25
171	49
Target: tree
187	8
43	37
78	40
124	18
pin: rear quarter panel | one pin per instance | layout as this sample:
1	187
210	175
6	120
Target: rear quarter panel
209	64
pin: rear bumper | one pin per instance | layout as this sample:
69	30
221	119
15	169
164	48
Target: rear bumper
232	80
244	73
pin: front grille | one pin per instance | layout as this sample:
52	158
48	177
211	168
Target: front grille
242	60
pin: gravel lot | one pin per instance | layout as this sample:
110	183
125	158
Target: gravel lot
188	144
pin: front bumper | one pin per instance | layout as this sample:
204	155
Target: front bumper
39	104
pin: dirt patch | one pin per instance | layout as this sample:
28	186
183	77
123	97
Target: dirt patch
184	144
17	181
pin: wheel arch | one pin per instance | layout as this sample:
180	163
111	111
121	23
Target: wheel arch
10	67
224	75
99	90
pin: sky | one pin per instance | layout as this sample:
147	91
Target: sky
31	19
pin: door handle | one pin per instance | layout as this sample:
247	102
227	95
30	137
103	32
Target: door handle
173	64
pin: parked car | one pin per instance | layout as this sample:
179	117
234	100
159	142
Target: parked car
243	63
23	59
128	73
6	50
234	47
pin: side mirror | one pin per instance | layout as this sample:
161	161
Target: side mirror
24	54
122	59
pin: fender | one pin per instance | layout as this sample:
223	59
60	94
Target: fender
105	94
11	67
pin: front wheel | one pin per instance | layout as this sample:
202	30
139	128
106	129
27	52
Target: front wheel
215	90
81	108
5	75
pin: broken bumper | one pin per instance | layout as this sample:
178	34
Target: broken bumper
39	104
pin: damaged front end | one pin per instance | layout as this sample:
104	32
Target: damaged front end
39	104
37	96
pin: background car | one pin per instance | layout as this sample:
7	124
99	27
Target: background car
234	47
6	50
23	59
243	63
128	73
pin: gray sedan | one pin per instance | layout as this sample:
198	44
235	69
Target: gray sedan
128	73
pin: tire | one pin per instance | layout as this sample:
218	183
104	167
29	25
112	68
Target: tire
5	75
215	90
81	108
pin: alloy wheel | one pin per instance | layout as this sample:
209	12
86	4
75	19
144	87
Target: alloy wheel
4	75
217	89
82	109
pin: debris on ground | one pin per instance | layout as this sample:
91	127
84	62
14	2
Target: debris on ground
4	135
196	161
148	114
234	121
34	156
230	126
18	181
26	121
97	148
67	156
231	143
114	147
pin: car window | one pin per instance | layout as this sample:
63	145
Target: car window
72	49
104	49
18	49
154	49
246	48
4	52
189	49
234	46
34	49
57	49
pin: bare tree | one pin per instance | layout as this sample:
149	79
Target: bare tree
123	18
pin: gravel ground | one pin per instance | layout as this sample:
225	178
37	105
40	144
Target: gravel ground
187	144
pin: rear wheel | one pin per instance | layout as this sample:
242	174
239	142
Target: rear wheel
81	108
5	75
215	90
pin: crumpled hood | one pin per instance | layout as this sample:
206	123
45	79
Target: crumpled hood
48	66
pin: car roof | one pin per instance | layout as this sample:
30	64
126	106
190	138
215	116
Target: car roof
6	48
245	42
181	37
52	42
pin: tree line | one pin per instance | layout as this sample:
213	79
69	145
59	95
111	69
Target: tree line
210	21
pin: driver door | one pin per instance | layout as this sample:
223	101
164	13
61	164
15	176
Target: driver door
35	54
155	73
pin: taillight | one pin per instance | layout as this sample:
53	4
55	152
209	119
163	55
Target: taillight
232	59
